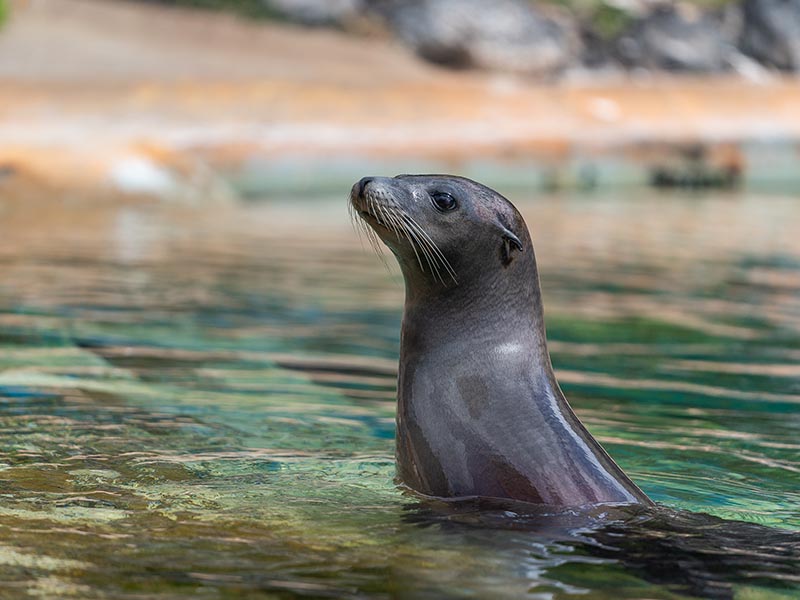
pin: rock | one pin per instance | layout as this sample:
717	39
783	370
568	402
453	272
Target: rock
7	171
771	33
600	26
317	12
696	166
507	35
676	38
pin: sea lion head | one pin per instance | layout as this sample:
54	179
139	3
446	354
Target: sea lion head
444	230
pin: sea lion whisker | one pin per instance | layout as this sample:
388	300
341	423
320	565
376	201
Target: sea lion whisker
428	239
370	234
363	231
379	251
418	242
389	219
430	249
415	246
425	252
374	242
435	249
430	256
386	219
399	228
442	258
381	214
371	208
377	211
424	247
356	222
394	223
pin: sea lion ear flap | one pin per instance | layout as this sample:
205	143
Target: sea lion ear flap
511	243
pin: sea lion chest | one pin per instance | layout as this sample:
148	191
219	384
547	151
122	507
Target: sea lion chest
466	421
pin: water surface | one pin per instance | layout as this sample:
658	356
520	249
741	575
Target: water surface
198	401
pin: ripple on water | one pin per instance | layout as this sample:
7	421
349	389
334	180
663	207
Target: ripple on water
196	403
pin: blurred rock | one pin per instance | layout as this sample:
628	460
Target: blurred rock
512	36
676	38
317	12
771	33
7	171
600	26
698	166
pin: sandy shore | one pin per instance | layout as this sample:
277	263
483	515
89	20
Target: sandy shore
88	85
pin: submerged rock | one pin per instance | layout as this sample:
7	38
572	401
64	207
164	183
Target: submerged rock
511	36
771	33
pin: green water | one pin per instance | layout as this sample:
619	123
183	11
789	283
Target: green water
198	402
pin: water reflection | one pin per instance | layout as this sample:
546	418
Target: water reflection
198	402
687	553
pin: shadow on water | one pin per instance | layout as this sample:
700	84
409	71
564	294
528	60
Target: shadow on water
687	553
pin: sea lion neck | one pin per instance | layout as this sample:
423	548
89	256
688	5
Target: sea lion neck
490	304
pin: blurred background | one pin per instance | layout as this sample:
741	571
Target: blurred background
198	355
238	97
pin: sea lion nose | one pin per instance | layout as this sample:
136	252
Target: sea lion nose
362	184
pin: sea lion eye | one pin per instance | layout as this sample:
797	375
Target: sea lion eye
443	201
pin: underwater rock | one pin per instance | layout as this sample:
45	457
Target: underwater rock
771	33
513	36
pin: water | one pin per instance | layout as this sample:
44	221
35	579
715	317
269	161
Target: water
198	402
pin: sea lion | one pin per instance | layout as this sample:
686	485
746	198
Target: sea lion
479	410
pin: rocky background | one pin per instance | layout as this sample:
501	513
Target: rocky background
162	98
554	38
